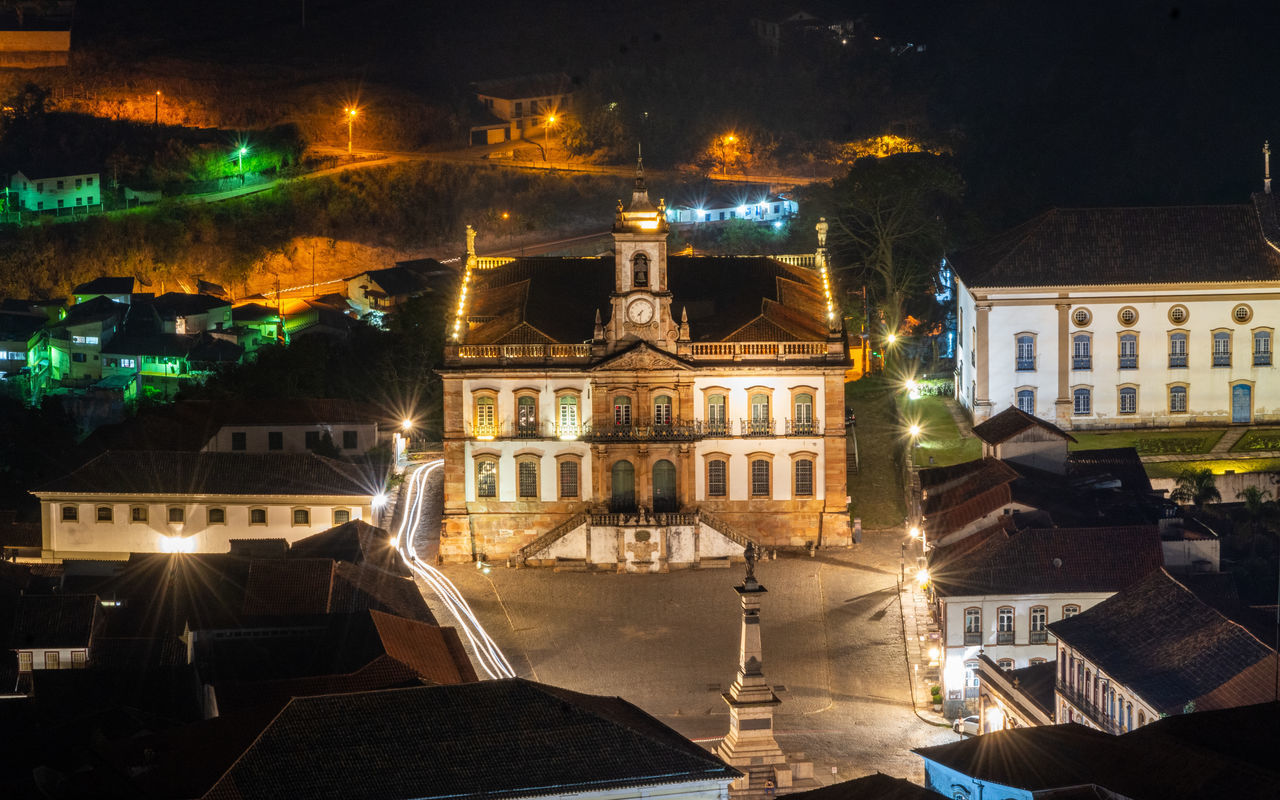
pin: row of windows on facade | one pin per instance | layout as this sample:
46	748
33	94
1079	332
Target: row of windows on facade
52	660
1005	630
213	516
80	184
1096	695
1082	400
62	203
311	439
623	474
747	212
1127	357
527	411
1127	316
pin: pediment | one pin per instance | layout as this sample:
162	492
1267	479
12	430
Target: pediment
640	357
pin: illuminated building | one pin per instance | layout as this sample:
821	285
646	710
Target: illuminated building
701	408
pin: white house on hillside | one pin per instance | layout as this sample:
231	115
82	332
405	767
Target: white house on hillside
1124	317
126	502
80	191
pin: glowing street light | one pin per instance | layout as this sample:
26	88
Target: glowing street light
546	141
724	152
351	118
406	424
891	338
157	108
914	430
379	500
914	533
240	159
922	577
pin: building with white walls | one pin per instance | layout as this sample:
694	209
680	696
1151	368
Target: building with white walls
1000	597
703	406
1124	317
150	501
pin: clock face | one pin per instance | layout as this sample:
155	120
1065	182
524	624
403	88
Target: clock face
640	312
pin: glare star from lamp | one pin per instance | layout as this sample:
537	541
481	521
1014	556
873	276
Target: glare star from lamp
640	312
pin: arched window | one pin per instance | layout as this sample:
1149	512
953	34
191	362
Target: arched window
1142	718
662	410
568	418
1222	349
487	477
761	486
103	513
1026	353
1069	611
1129	351
761	423
526	415
1027	401
1128	400
301	516
640	269
621	410
803	423
341	516
717	478
804	477
1082	401
568	478
1262	348
716	415
485	417
70	514
1081	352
1039	624
527	478
1177	400
1177	350
972	626
1004	625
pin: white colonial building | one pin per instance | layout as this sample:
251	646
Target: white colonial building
1000	597
702	409
1124	317
126	502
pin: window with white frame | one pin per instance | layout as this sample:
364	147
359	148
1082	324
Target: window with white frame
1262	348
1005	663
1004	625
1027	401
1128	400
1039	624
972	626
1069	611
717	483
804	477
1081	352
621	411
803	422
1222	349
1082	401
1129	351
662	410
1177	399
568	417
1025	360
715	414
1177	350
487	477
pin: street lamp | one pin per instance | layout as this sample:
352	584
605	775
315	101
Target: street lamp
351	118
914	430
546	141
157	108
240	159
406	424
724	153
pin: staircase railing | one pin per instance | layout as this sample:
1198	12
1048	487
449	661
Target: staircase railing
725	529
558	532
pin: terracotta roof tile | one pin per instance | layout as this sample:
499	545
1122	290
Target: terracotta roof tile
1010	423
990	473
292	586
950	520
54	620
433	653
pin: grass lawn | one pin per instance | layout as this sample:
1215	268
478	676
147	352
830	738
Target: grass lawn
1150	443
1267	439
876	489
1170	469
939	437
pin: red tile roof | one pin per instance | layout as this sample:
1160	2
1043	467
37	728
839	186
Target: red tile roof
1010	423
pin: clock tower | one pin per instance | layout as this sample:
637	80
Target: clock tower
641	300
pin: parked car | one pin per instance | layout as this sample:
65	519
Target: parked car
966	727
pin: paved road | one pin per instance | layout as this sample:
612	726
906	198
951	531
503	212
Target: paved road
832	638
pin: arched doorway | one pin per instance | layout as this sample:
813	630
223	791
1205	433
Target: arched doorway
664	487
623	483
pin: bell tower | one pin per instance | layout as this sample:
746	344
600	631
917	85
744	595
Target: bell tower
641	300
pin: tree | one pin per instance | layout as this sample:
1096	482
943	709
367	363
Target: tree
1196	487
888	224
1260	513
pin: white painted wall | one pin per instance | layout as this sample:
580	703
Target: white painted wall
294	436
121	536
548	468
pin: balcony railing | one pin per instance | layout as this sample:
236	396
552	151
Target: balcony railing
1039	637
1177	360
1078	362
520	352
1092	710
1128	362
1222	359
757	427
1004	637
1025	364
679	430
717	428
972	638
804	427
1262	359
757	350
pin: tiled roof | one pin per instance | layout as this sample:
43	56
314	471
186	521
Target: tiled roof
558	297
1054	560
1215	754
54	620
177	304
987	474
93	310
356	542
948	521
1010	423
1161	641
944	553
18	326
293	586
433	653
361	586
1109	246
489	739
877	786
396	281
169	472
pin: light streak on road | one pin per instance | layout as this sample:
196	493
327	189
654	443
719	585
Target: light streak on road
412	496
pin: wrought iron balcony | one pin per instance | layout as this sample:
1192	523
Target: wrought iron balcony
1025	364
1004	637
528	430
678	430
972	638
1262	359
804	427
1128	362
757	427
1222	359
1039	637
1177	360
1096	713
716	428
1078	362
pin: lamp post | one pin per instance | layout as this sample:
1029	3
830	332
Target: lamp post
546	140
157	123
240	159
351	118
724	153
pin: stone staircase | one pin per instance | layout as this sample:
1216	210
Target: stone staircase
551	536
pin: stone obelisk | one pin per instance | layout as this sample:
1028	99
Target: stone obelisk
750	743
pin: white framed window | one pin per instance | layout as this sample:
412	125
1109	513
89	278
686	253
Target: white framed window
1025	360
1128	400
1222	348
622	411
1262	348
716	414
804	477
662	410
1027	401
1081	351
1129	351
1177	399
1069	611
1082	401
1177	350
717	477
487	477
568	416
217	516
